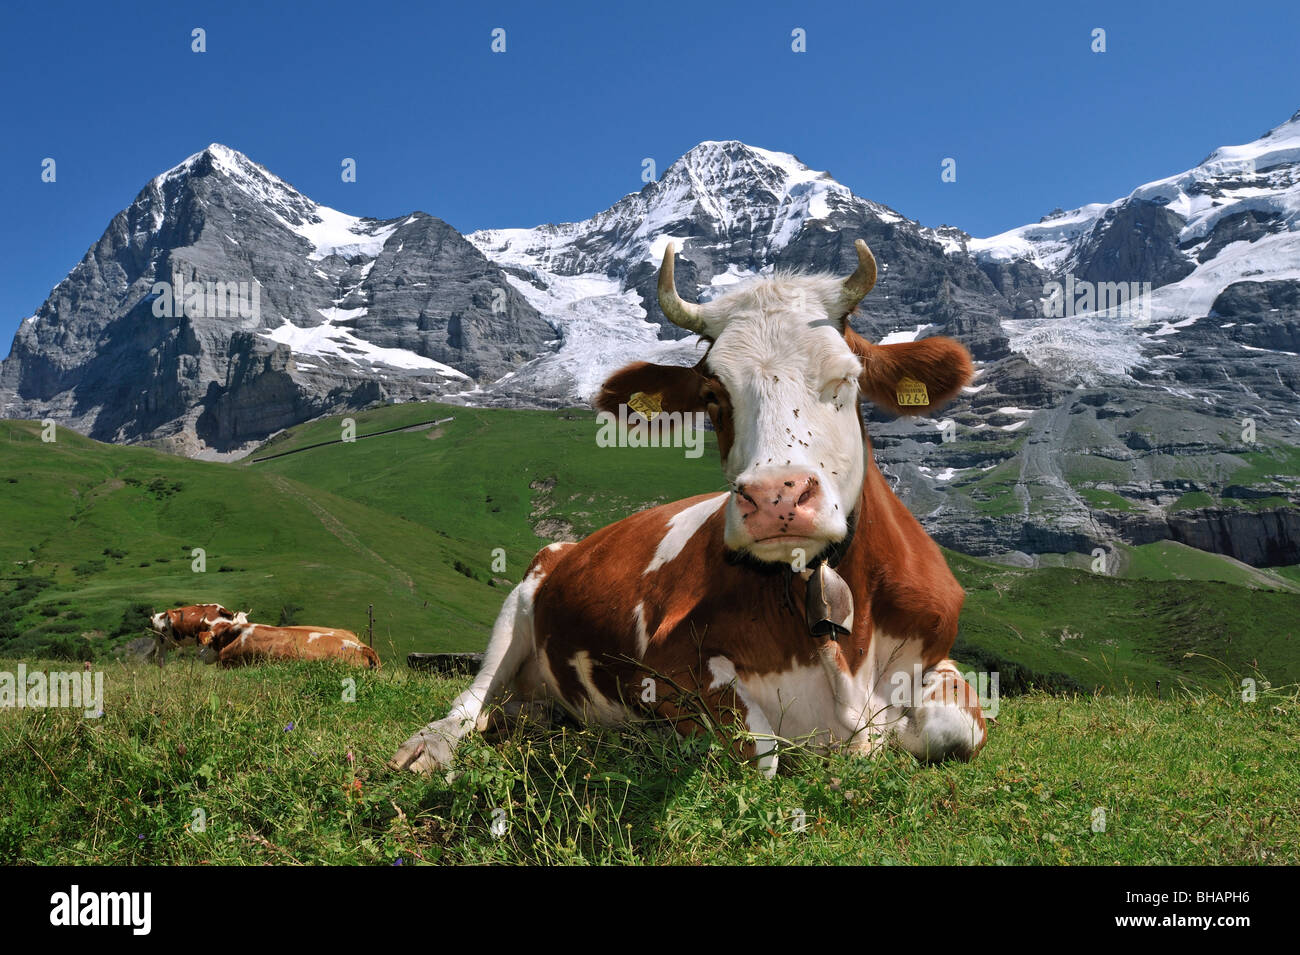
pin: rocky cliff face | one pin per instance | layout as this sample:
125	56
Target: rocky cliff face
273	309
1137	361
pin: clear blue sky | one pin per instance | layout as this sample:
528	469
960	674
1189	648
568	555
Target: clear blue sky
555	129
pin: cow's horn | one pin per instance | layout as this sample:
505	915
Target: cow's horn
682	314
857	285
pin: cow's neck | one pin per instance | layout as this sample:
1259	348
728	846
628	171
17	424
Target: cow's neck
854	552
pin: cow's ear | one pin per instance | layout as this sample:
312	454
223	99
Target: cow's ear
643	385
911	377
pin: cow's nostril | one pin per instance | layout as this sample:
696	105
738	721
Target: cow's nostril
803	498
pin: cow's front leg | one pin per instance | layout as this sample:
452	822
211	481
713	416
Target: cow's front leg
432	747
691	701
947	722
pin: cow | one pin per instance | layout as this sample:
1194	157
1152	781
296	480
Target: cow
803	603
192	624
233	644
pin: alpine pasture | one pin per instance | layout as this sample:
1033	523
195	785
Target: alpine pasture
190	764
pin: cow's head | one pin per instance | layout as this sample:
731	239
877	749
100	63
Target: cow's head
213	640
182	625
781	382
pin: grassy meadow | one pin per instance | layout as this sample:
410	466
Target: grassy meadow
269	765
1121	692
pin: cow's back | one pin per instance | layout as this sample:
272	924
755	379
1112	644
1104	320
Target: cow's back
256	642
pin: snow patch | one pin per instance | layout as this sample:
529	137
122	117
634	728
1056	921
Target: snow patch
895	338
329	340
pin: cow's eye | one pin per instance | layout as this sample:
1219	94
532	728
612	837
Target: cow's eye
840	389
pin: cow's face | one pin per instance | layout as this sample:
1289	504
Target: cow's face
781	382
164	624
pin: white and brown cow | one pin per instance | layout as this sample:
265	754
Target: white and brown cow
713	606
231	644
186	625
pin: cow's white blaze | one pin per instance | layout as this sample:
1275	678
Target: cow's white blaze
597	708
779	350
642	633
681	527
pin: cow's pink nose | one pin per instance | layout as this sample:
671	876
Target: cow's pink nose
784	506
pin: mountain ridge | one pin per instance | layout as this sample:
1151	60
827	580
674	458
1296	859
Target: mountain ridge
1056	448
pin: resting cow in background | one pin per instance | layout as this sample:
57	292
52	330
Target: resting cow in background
803	602
192	624
236	644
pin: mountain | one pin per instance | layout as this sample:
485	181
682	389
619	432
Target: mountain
1137	361
1182	413
300	311
734	211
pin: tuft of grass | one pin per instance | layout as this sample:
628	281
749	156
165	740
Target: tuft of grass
1191	501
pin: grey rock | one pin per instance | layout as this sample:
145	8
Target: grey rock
209	379
1078	431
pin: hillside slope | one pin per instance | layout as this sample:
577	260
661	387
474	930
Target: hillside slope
418	523
92	534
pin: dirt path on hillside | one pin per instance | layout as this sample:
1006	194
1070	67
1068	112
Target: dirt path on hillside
338	528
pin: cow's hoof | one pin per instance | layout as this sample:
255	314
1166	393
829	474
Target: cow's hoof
427	751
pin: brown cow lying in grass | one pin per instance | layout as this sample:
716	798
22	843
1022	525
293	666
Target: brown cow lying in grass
189	625
234	644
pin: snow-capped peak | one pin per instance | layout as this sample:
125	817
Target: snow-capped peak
1262	176
1046	243
1279	144
731	164
329	231
231	163
717	190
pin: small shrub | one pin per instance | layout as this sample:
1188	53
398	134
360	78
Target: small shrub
135	619
289	614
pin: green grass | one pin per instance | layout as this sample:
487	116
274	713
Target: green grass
268	541
1105	499
1092	469
1279	463
1170	560
472	482
1197	777
1191	501
93	535
406	522
1271	502
1120	634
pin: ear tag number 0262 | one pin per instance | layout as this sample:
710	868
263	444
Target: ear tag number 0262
911	393
647	406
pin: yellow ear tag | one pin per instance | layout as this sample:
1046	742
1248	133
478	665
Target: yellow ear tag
911	393
647	406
